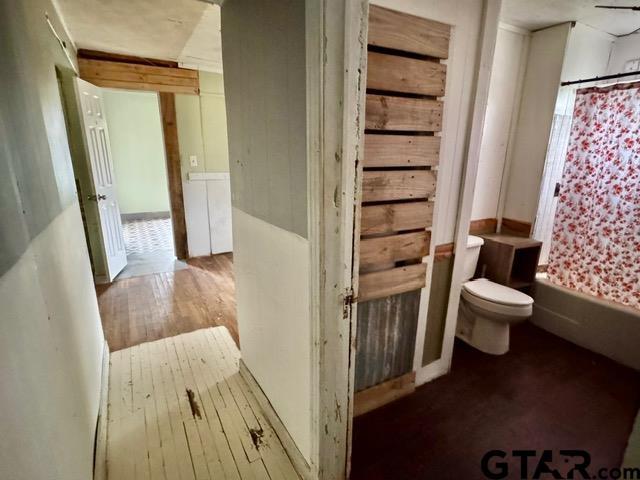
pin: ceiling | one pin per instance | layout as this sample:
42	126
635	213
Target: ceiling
534	15
186	31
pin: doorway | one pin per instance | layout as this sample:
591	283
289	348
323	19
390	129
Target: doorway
139	164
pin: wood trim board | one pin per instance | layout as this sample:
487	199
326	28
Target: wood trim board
483	226
384	112
174	172
387	392
401	31
405	75
386	185
395	217
443	251
383	151
390	282
393	248
516	227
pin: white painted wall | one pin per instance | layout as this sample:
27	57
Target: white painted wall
51	346
505	90
265	88
587	54
272	295
624	49
51	339
559	53
541	83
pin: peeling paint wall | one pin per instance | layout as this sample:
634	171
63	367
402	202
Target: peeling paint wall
51	339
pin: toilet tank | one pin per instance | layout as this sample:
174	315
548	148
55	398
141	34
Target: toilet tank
471	258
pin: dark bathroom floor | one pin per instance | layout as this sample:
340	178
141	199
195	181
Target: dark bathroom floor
545	393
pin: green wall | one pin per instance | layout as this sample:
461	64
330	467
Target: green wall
202	127
137	147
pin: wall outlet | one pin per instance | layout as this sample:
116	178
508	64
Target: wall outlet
193	160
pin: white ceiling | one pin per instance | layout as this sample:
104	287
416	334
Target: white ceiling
186	31
537	14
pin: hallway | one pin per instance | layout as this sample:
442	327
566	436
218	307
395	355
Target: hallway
179	409
151	307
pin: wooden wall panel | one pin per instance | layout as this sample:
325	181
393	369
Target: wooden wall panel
401	154
391	282
386	338
395	217
381	151
385	185
393	248
400	31
384	112
405	75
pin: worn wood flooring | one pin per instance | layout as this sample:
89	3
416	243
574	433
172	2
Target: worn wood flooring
179	410
141	309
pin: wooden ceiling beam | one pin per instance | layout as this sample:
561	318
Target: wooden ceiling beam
134	75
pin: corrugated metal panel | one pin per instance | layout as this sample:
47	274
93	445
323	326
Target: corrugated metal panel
386	337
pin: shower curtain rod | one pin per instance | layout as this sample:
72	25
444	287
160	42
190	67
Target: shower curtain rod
604	77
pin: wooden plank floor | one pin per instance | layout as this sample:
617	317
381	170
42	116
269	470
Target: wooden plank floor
155	431
151	307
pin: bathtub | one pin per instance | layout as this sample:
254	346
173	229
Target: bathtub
599	325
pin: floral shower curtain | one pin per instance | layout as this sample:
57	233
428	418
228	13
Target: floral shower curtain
595	246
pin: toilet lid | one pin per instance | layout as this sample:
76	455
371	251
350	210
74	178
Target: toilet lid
494	292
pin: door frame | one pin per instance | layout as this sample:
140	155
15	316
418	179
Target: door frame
98	68
167	104
336	34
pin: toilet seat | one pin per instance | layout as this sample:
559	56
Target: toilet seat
497	298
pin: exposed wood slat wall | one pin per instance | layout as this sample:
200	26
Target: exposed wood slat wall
405	83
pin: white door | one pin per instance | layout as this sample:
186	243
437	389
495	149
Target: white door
96	136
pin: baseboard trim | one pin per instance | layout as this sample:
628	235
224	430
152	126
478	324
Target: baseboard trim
129	217
298	460
100	453
483	226
431	371
375	397
514	227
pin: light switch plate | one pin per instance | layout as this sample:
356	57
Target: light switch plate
193	160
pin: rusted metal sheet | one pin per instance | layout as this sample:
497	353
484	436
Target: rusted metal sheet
386	337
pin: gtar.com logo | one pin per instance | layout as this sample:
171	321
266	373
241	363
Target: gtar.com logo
534	465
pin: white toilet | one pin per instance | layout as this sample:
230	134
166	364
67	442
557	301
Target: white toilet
487	309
